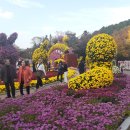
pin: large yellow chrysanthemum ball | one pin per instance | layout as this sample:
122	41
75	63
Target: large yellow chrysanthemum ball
101	47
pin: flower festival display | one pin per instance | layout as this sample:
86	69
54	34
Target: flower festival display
40	52
101	49
7	50
58	46
95	78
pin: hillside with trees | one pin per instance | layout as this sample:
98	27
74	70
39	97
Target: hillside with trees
114	27
120	32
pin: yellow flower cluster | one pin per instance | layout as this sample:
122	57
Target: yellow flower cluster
72	72
94	78
40	52
79	59
101	47
100	64
44	44
2	87
59	46
58	60
65	39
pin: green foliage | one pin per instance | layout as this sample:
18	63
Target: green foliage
29	117
112	127
72	39
80	48
103	100
70	92
78	95
127	113
58	88
79	118
107	99
8	109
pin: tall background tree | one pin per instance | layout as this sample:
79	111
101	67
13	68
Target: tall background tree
122	37
80	48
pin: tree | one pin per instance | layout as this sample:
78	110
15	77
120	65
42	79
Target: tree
72	39
122	38
80	48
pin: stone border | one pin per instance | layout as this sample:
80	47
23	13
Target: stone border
125	125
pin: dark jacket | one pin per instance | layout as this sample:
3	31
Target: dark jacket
4	75
60	68
81	67
34	68
65	67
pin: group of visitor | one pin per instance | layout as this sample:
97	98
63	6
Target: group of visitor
23	74
8	75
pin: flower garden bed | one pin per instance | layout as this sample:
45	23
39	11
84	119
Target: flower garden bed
60	108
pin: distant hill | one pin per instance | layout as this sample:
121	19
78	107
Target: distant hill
112	28
121	34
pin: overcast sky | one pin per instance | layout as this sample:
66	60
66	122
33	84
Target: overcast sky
30	18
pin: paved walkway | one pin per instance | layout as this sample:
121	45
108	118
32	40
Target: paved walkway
32	89
127	72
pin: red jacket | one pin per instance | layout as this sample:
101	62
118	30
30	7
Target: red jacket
27	73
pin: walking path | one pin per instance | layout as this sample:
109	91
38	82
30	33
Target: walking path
127	72
32	89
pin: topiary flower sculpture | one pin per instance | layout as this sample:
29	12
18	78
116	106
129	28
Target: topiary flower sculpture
41	52
101	50
7	50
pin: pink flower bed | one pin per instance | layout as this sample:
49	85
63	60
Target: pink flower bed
60	108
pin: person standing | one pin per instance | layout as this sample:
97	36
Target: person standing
18	63
24	77
60	71
48	66
33	67
65	72
8	74
40	73
122	66
81	67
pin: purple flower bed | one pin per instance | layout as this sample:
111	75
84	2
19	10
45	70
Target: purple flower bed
60	108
